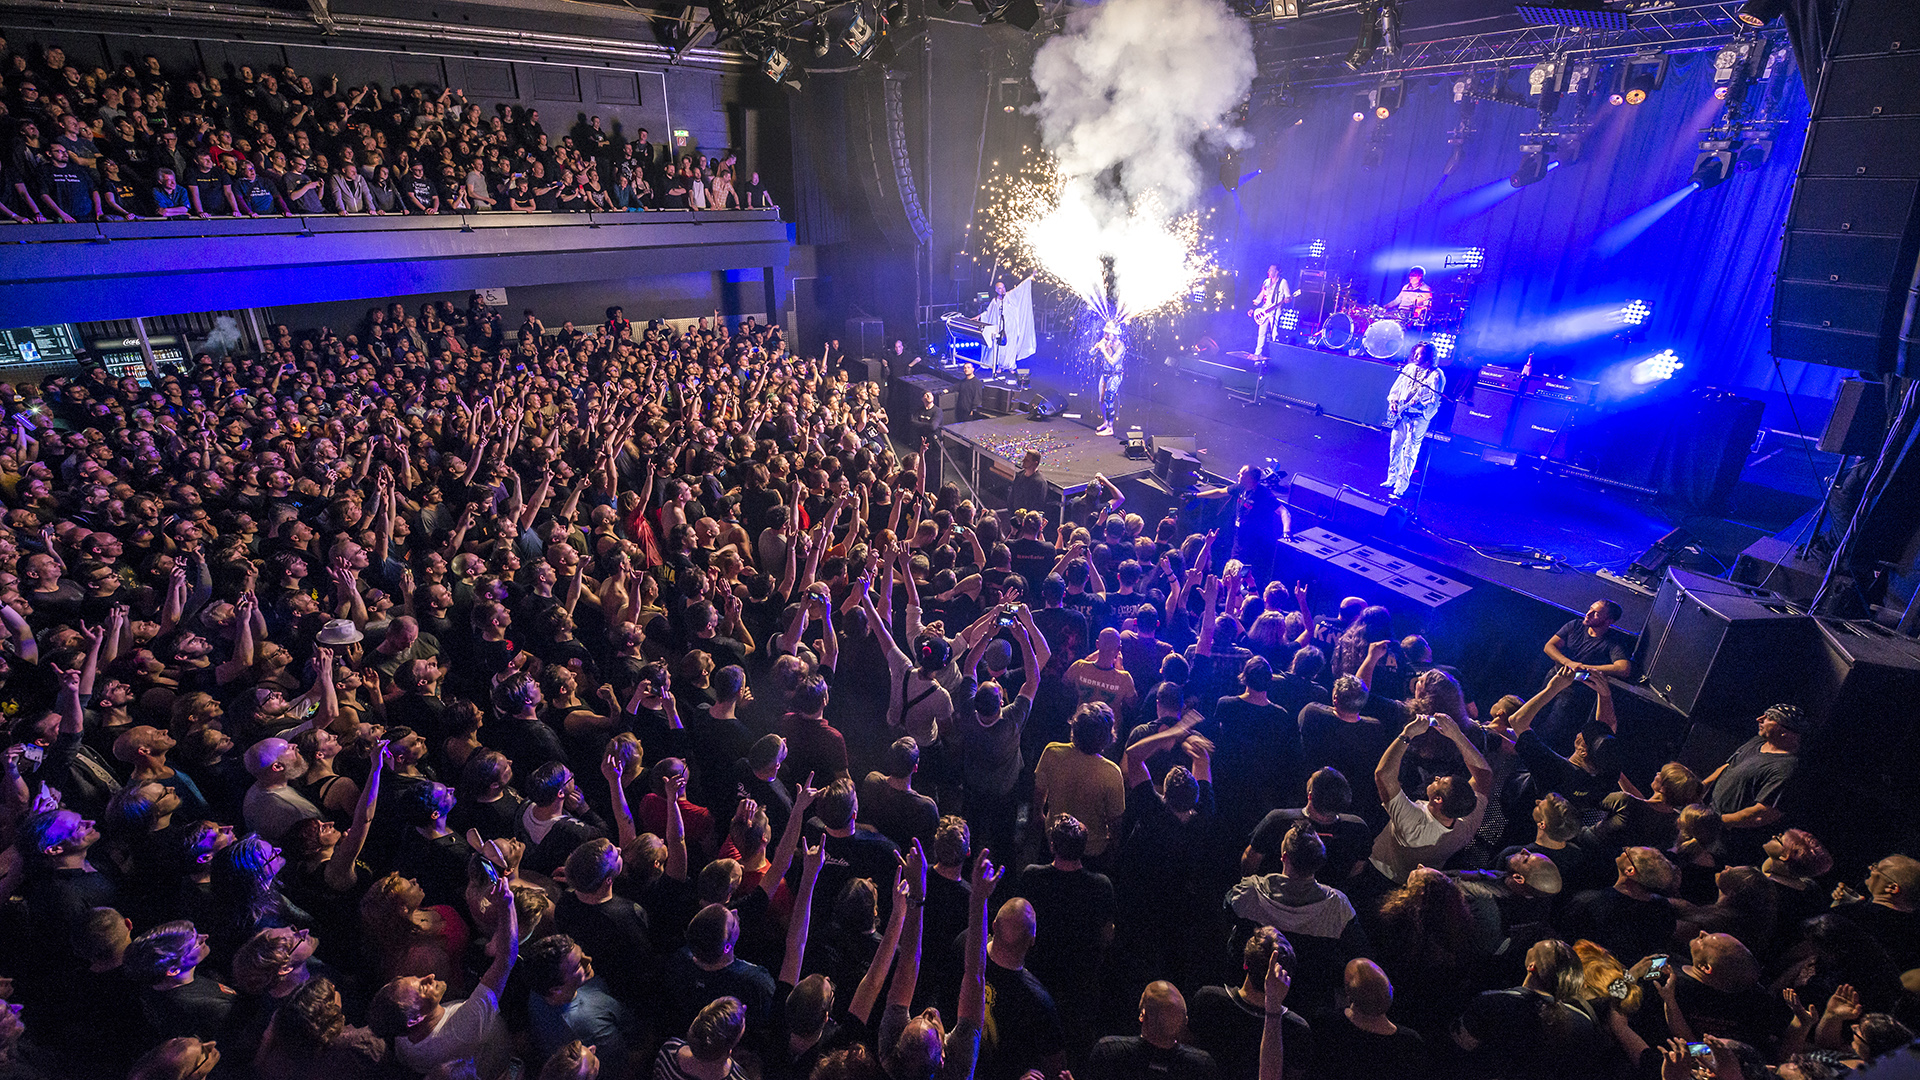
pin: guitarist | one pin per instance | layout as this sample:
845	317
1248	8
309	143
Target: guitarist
1274	295
1411	405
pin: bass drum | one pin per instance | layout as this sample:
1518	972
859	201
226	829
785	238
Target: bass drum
1341	329
1384	339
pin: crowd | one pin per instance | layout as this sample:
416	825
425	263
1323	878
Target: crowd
144	142
428	700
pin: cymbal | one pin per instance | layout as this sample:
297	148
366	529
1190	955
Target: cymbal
1242	355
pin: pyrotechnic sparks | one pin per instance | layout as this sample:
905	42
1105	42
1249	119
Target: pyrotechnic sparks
1124	263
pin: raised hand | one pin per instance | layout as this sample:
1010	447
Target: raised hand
985	874
1845	1005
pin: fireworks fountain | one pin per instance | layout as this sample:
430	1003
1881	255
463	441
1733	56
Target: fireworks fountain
1130	98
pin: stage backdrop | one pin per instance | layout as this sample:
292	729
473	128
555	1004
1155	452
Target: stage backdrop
1554	250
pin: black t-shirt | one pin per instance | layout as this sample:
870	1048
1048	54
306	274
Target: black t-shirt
1583	648
1344	1052
1525	1035
1259	758
71	187
1023	1025
1229	1027
1354	749
615	934
1130	1057
1551	772
863	854
1074	908
1628	928
212	186
900	816
1032	559
1753	1016
199	1009
1348	841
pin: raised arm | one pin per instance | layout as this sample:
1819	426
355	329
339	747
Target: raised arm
1133	764
791	962
789	837
1524	716
868	992
973	983
671	789
339	873
506	937
1386	775
1480	773
1273	1056
619	773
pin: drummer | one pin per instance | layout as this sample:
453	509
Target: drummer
1416	297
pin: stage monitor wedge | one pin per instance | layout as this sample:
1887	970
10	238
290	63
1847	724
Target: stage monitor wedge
1847	266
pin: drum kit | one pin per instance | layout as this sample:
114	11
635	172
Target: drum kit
1384	333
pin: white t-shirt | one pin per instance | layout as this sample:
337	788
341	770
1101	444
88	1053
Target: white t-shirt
1413	838
471	1029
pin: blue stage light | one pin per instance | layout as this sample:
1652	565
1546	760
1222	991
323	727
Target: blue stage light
1316	249
1636	313
1656	368
1289	320
1443	344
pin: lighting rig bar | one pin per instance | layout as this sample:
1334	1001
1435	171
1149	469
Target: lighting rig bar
1669	30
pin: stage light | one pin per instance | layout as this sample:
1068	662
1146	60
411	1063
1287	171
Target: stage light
1616	99
776	64
1641	75
1635	313
1544	83
822	40
1136	442
1656	368
1761	12
1715	162
1317	249
1443	344
1471	258
1390	29
1358	116
1367	42
1386	97
1534	164
859	35
1289	320
1574	14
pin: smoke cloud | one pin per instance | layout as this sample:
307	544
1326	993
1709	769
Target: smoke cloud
1131	97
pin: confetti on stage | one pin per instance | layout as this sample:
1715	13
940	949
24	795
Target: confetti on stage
1015	447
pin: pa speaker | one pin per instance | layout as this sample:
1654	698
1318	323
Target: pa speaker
1345	507
1722	652
1859	421
1853	231
865	337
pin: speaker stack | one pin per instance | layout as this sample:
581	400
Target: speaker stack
1721	652
1853	232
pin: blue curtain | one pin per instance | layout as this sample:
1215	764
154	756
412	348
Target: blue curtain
1706	266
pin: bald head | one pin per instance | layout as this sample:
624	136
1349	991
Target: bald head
1895	880
1015	925
1367	988
1723	962
1163	1014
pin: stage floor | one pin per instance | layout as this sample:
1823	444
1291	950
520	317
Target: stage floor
1536	532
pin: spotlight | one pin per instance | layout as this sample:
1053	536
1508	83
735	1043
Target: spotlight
1390	29
1368	41
1656	368
1386	97
1358	116
1715	162
1316	249
776	64
1761	12
1635	313
1466	258
1753	155
859	35
1545	82
1573	14
1534	164
822	40
1443	344
1616	99
1289	319
1640	76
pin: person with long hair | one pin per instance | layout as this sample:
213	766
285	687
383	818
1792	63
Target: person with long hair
309	1036
1428	942
1412	403
247	897
1543	1029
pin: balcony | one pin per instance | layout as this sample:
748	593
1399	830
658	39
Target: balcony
118	270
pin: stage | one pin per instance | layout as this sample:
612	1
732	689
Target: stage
1501	521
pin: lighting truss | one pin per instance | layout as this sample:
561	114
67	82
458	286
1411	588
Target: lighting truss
1679	29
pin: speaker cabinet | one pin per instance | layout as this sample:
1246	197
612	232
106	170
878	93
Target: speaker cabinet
1722	652
1486	418
1540	426
1859	421
865	337
1345	507
1853	231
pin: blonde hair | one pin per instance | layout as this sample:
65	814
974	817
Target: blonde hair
1699	826
1555	817
1681	785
